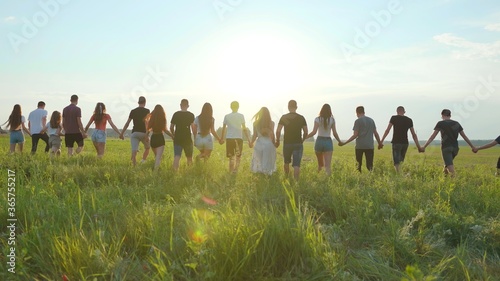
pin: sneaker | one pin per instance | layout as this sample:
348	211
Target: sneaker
143	161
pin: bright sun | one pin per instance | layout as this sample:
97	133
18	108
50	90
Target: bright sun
260	66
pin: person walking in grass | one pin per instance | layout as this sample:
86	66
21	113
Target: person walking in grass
204	126
449	129
16	126
293	124
486	146
264	152
138	116
401	124
232	132
324	125
181	126
54	130
100	118
156	122
73	127
363	132
36	121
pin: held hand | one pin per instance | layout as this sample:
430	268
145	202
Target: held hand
221	141
475	149
277	143
121	137
250	144
421	149
380	146
341	143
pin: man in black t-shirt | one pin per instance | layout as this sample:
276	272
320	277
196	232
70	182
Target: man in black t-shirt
399	141
138	135
449	130
293	124
181	126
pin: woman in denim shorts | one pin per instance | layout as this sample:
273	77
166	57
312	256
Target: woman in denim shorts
16	126
100	118
324	125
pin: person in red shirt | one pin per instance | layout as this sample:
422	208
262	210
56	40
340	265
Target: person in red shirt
100	118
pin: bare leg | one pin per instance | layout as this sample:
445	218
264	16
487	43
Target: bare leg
177	159
101	146
189	161
70	151
12	147
451	170
96	146
133	157
231	164
286	168
321	160
158	154
21	145
328	162
237	164
79	149
397	167
296	173
145	154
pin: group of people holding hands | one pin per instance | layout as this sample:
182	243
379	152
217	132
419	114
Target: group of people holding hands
149	128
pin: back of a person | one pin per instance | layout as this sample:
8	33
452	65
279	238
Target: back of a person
137	115
101	125
292	124
234	122
401	125
70	119
449	132
322	130
182	121
366	127
35	118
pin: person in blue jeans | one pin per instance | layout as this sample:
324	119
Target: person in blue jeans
293	124
486	146
401	124
449	129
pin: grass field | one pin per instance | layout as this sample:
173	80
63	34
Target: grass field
81	218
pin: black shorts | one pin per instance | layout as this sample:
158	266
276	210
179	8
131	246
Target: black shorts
234	147
70	139
157	140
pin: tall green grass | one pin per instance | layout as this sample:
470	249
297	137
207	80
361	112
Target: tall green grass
91	219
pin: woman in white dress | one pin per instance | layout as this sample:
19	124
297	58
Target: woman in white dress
264	152
324	125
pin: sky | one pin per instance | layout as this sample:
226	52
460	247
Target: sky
424	55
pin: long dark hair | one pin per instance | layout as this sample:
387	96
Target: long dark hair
157	119
263	122
55	119
15	118
325	114
206	118
99	112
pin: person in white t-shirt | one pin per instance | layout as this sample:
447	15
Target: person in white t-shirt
324	125
232	132
36	121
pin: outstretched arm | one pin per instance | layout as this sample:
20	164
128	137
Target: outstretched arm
353	137
431	138
113	126
389	127
314	131
335	134
88	124
464	136
486	146
415	138
304	135
377	137
125	128
278	135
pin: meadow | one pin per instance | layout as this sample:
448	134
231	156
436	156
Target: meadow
81	218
